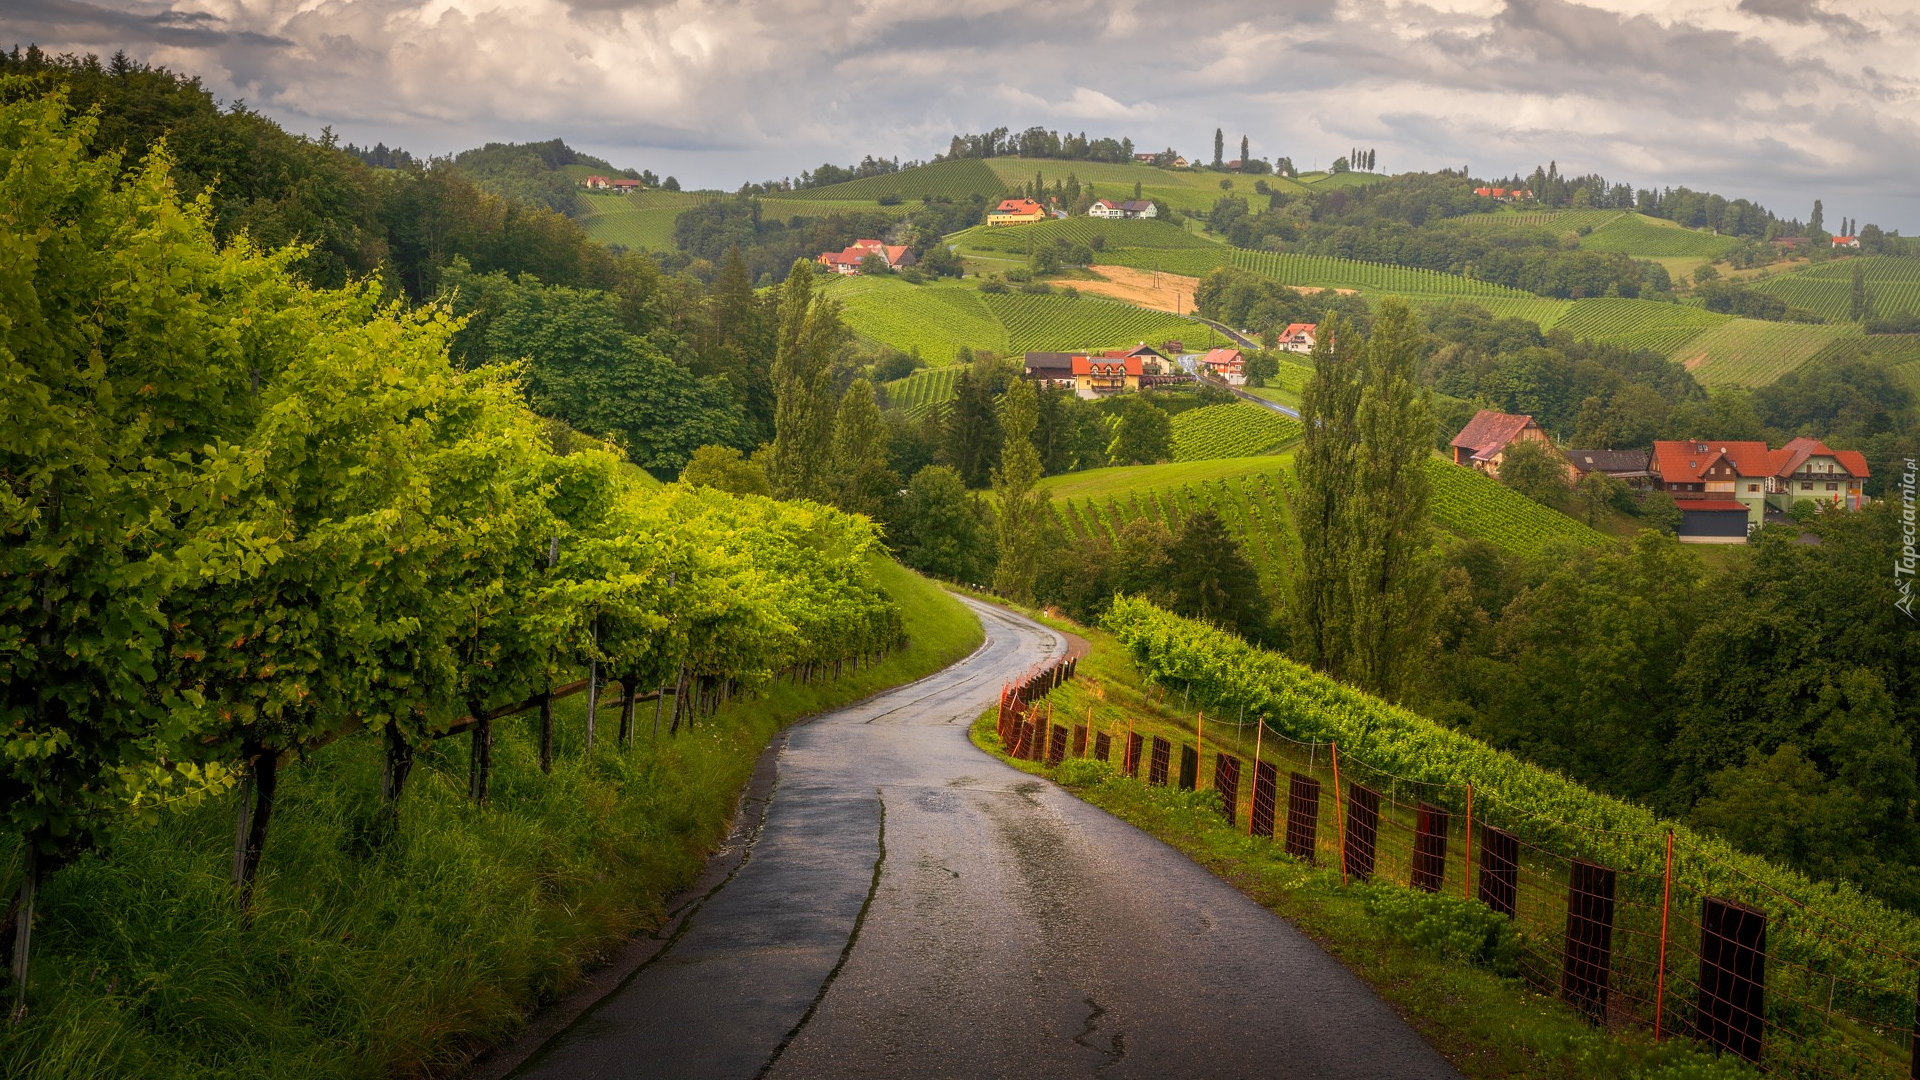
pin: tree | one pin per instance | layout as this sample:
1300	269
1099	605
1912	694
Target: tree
1817	221
1023	506
1261	365
944	529
863	481
1244	155
1142	435
1219	148
973	432
724	469
810	336
1325	468
1596	493
1212	579
1390	571
1859	302
874	264
1534	469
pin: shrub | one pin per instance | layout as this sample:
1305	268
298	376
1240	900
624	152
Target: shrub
1084	772
1449	926
993	286
1036	288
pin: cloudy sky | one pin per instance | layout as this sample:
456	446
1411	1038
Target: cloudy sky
1781	100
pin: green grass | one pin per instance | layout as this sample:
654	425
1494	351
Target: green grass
1233	430
953	179
402	959
1019	239
1490	1026
1893	286
1751	353
1472	505
1638	324
1645	238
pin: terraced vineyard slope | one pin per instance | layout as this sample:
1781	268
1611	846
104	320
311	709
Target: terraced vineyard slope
1252	506
1645	237
1233	430
1893	286
1752	353
1469	504
1019	239
1319	271
922	392
933	320
1638	324
952	179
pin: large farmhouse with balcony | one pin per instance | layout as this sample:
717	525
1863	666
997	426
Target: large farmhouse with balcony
1724	488
1298	337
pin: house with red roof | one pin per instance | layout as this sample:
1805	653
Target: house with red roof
1106	208
1016	212
1846	241
625	186
596	183
1482	444
1298	337
848	261
1751	477
1226	365
1098	376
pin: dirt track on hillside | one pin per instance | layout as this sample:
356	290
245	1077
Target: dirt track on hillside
1161	292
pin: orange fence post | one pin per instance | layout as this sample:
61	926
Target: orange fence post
1199	744
1466	875
1339	811
1257	735
1660	968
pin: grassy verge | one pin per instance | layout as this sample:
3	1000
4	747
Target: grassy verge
403	958
1439	961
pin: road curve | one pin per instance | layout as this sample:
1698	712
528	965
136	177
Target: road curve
910	907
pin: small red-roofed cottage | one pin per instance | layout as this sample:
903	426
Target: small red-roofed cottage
596	183
1226	365
1482	444
1298	337
625	186
1846	241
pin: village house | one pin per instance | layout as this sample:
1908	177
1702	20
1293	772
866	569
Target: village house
1016	212
1630	467
896	256
1050	369
1139	208
1298	337
1846	241
625	186
1483	443
595	183
1098	376
1724	489
1106	208
1226	365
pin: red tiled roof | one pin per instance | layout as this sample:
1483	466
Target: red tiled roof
1109	365
1854	462
1688	460
1018	206
1713	504
1294	329
1489	432
1221	357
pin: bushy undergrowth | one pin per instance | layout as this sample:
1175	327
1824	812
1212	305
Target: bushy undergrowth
378	952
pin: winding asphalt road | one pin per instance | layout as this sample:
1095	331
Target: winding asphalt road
904	906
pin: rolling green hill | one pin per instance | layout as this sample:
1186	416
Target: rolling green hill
641	221
1751	353
1893	286
1638	324
1466	503
1645	238
937	318
1181	189
1233	430
953	179
1312	270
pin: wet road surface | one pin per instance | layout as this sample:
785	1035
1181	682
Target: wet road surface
909	907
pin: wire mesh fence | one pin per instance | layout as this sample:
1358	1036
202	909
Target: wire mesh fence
1649	939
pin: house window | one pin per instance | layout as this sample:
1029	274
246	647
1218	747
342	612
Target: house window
1806	486
1833	487
1753	487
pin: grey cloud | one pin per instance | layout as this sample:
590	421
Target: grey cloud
1803	12
65	21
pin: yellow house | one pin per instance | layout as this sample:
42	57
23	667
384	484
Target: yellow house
1016	212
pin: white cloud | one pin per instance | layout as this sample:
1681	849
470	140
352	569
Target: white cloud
1784	100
